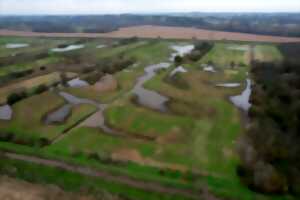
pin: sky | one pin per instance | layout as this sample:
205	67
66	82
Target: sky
28	7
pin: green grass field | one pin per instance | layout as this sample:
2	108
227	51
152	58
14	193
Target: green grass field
191	146
28	117
267	53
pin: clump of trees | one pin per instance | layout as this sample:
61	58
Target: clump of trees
113	65
127	41
201	48
270	152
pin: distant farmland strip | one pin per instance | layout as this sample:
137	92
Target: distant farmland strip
163	32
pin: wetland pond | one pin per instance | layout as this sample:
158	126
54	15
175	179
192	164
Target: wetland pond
181	50
77	83
68	48
5	112
242	101
16	45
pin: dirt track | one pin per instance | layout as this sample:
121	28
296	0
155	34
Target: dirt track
163	32
147	186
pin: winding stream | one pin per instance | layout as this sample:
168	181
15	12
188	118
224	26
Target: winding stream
147	97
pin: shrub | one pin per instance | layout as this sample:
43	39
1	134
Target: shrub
43	142
15	97
40	89
93	77
42	68
178	60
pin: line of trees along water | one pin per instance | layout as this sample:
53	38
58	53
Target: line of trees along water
270	151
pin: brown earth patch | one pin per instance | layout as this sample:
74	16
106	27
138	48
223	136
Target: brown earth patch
13	189
162	32
173	137
125	154
106	84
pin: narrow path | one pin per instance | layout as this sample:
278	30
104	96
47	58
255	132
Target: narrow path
147	186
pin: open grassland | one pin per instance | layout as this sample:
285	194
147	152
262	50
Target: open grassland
145	53
143	122
28	66
35	45
267	53
191	147
223	54
28	116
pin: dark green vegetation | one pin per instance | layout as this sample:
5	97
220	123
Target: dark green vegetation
189	148
271	157
284	24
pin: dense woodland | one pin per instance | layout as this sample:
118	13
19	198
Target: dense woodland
269	24
271	151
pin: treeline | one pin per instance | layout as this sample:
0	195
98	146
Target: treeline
270	151
275	24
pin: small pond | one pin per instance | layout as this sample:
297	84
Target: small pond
68	48
5	112
242	101
77	82
16	45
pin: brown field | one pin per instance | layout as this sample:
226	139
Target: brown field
13	189
163	32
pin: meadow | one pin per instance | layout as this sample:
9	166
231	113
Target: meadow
187	151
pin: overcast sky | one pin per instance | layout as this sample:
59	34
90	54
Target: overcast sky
144	6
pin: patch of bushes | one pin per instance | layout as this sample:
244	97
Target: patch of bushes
15	97
40	89
178	60
93	77
115	64
127	41
201	48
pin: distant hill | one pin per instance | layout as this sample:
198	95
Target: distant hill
280	24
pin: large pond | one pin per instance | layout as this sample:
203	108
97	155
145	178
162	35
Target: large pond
68	48
16	45
148	98
242	101
5	112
